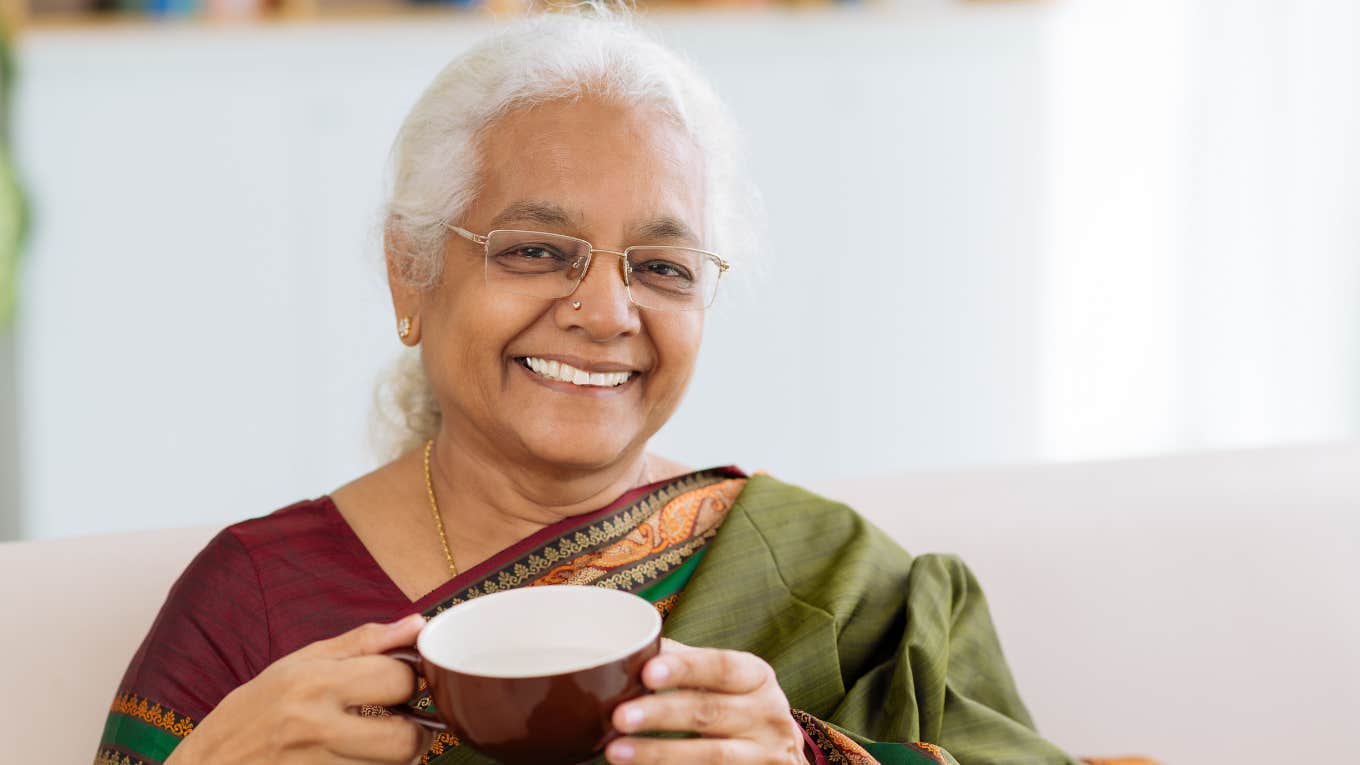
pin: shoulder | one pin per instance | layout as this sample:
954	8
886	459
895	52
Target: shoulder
300	519
223	586
227	568
789	515
826	553
227	572
825	549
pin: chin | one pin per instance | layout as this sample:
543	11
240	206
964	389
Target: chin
578	449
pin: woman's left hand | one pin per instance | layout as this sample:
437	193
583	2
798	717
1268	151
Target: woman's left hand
730	698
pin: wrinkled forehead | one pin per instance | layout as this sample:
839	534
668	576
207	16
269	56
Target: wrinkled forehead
590	163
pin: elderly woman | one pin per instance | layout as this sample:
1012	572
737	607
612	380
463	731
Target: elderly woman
563	206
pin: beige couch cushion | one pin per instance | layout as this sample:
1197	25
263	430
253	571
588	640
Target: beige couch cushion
75	610
1197	609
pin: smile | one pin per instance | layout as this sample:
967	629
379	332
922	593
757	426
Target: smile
560	372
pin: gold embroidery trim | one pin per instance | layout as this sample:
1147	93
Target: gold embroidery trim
933	751
667	604
573	544
110	757
836	747
140	709
443	741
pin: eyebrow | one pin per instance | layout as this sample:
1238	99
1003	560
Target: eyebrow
663	228
543	213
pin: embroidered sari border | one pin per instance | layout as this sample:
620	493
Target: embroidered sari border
112	756
832	743
915	753
127	735
839	749
675	581
563	542
152	713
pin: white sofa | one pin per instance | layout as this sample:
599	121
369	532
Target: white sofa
1197	609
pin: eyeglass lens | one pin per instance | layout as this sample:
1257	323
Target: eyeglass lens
551	266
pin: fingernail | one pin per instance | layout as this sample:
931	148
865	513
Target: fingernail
620	751
406	621
658	672
632	718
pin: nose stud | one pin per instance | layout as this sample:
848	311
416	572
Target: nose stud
576	305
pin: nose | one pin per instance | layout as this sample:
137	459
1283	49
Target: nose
605	310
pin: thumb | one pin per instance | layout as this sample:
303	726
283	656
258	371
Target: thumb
369	639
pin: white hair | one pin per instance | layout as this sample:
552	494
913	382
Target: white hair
435	160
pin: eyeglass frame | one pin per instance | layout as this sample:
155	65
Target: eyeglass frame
485	239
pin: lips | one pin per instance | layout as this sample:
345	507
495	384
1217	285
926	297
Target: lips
560	371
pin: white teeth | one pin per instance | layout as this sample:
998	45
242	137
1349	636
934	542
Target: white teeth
555	370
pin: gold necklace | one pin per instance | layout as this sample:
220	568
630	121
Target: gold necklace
434	510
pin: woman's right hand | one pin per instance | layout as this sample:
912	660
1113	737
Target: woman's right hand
299	710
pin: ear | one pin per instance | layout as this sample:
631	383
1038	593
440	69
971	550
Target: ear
407	299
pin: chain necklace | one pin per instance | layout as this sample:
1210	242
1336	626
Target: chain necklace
434	510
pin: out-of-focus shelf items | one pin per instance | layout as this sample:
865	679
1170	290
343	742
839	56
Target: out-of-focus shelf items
21	14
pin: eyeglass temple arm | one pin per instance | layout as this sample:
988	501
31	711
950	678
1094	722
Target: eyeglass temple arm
468	235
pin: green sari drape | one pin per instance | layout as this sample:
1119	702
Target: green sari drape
883	647
871	645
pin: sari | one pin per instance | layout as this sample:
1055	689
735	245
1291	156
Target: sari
884	658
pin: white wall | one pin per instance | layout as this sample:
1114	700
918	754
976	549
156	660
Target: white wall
204	315
1201	245
964	270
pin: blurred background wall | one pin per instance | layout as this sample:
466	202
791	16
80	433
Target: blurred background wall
999	232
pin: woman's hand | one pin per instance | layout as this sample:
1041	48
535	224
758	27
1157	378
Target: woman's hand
730	698
299	710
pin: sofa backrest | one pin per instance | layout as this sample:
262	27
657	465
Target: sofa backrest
75	610
1199	609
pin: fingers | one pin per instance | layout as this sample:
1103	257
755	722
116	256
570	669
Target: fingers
692	751
367	639
711	714
378	739
373	680
710	669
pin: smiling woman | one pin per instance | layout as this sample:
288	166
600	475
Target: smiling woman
564	205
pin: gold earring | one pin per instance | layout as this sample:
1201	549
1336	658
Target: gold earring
404	327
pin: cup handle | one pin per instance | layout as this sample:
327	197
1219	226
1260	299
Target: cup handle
421	717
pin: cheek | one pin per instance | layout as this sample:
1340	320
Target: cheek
476	331
677	341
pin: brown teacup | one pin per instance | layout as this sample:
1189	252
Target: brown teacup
531	676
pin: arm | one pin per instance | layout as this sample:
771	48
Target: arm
202	689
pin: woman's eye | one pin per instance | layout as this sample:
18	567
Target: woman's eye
535	253
663	268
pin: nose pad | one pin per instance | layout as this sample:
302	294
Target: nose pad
624	271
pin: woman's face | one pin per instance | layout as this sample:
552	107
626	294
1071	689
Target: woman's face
615	177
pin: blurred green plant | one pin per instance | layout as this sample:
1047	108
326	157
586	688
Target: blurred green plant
13	208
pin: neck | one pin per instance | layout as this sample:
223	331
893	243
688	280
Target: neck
489	501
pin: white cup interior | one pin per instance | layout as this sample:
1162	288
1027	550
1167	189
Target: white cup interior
535	631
